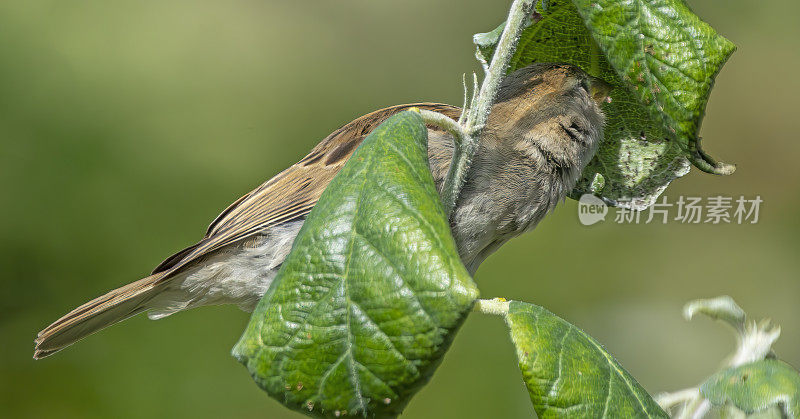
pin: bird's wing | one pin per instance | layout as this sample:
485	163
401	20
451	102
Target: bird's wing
292	193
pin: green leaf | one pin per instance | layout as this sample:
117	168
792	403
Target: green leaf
366	303
756	387
662	60
568	373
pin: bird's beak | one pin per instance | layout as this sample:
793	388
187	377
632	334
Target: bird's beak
600	90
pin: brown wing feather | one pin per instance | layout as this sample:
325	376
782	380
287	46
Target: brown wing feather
292	193
289	195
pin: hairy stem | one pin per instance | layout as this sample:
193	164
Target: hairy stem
515	23
496	306
445	123
478	113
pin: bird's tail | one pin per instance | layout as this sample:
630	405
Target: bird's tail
113	307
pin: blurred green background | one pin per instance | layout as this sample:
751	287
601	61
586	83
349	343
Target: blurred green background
127	126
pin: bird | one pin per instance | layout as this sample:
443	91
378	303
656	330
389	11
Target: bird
542	130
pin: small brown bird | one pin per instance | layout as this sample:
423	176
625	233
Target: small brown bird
543	129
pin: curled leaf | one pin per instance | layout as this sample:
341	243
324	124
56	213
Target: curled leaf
753	340
720	308
668	58
662	60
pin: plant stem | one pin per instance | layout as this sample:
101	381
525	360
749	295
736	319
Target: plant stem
517	17
497	306
445	123
478	114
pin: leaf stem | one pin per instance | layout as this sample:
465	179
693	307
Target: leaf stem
445	123
496	306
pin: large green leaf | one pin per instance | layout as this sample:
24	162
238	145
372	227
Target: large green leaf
568	373
367	301
756	387
662	60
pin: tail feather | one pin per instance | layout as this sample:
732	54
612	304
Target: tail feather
113	307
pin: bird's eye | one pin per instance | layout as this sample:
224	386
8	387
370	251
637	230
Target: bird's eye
574	130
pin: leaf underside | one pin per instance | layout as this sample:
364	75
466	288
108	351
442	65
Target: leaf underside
568	373
662	60
367	301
